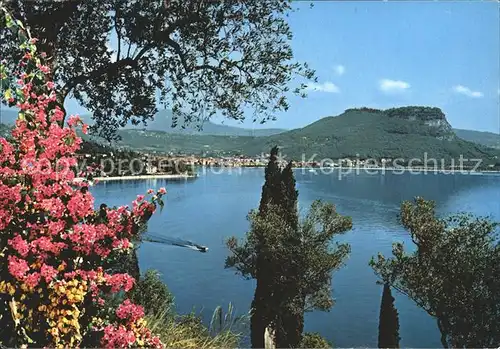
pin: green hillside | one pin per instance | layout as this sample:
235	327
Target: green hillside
406	133
489	139
185	143
369	133
5	131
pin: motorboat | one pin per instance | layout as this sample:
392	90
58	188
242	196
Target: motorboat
202	249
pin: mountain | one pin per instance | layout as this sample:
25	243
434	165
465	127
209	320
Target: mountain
489	139
409	132
163	122
4	131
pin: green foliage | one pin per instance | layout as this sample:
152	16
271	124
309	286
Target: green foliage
292	262
314	340
416	113
183	331
279	190
388	327
452	275
151	293
163	142
188	331
201	56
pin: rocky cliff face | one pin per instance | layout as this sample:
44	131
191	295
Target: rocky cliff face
416	113
431	117
444	128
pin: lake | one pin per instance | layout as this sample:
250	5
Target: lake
214	206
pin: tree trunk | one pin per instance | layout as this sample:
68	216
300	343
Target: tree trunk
291	326
258	319
262	306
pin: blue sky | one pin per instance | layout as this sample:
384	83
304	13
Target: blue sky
386	54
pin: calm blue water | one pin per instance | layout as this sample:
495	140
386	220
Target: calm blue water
212	207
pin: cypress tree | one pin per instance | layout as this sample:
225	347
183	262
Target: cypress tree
272	188
388	328
290	196
291	262
261	308
290	319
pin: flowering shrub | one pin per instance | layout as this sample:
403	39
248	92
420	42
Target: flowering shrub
56	250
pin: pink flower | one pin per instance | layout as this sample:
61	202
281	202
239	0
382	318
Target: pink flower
53	234
18	267
74	120
48	272
129	311
57	115
20	245
150	191
117	337
32	280
162	191
120	281
44	68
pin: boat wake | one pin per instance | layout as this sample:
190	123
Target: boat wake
151	237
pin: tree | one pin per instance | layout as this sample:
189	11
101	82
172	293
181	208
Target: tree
195	57
292	262
452	275
272	193
152	294
56	249
290	195
388	326
272	190
304	261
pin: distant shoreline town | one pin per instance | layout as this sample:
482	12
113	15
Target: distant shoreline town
143	165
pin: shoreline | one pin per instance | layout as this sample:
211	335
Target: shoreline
346	170
403	169
361	168
126	178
